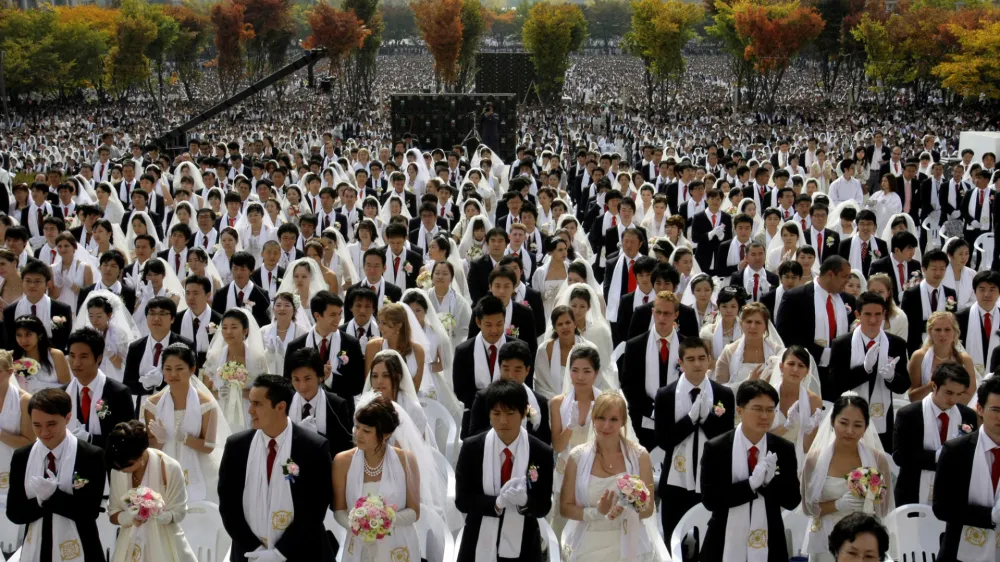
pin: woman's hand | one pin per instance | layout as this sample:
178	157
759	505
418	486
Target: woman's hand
607	499
755	374
615	512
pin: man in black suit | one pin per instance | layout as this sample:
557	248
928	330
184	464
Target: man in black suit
679	192
686	417
143	373
522	320
979	323
916	450
964	486
34	496
872	363
752	276
926	297
644	293
241	291
731	255
865	248
980	200
825	241
55	316
877	155
481	267
176	255
753	500
246	456
509	499
798	324
665	278
398	181
933	191
428	227
790	276
710	229
269	275
516	363
112	264
899	265
650	362
99	402
373	263
620	278
343	359
402	265
316	408
524	294
82	233
480	352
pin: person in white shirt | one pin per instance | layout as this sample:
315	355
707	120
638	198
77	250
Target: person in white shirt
846	187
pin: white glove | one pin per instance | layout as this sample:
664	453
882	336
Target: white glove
871	358
792	412
696	409
309	423
265	556
849	503
719	231
159	430
127	518
515	492
771	462
165	518
45	487
757	478
889	371
815	420
955	215
974	225
152	379
706	406
80	433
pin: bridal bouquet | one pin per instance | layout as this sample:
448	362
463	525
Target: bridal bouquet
143	502
234	373
25	368
866	483
372	519
448	321
633	493
424	280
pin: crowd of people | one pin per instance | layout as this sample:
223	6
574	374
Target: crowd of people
634	316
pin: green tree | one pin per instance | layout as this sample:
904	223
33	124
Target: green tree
724	29
550	34
83	47
972	71
31	63
128	64
399	24
474	26
361	69
193	33
607	20
167	30
660	29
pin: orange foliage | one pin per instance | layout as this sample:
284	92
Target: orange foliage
491	17
440	23
231	34
102	19
774	33
341	32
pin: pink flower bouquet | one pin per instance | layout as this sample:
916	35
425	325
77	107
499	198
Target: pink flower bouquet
143	502
24	369
633	493
866	483
372	519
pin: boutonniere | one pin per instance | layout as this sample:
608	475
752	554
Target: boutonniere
513	331
386	300
532	246
526	303
337	225
532	474
719	409
849	309
876	252
58	321
342	357
965	429
950	304
103	410
79	482
532	412
290	470
829	241
212	327
408	268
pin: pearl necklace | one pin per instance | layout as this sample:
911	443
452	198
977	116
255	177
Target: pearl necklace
374	471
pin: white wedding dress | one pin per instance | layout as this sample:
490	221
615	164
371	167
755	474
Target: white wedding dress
833	489
602	539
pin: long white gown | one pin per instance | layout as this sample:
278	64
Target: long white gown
602	539
201	477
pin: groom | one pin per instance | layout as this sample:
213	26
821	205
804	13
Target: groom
271	506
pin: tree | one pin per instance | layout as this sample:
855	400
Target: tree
231	35
399	23
724	29
192	38
501	24
31	62
82	40
340	32
836	49
607	20
972	71
167	31
475	24
360	72
128	65
550	33
660	29
273	29
440	23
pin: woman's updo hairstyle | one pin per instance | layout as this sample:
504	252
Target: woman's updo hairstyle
848	400
126	443
380	414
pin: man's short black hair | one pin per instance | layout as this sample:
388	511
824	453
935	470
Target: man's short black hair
988	276
52	401
950	372
515	350
278	389
115	256
307	357
903	241
847	530
489	305
790	267
162	303
91	338
871	297
323	300
751	389
509	395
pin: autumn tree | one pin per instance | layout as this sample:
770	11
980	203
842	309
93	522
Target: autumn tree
273	29
440	24
363	64
82	39
972	70
660	29
502	25
550	33
128	64
476	21
167	30
31	62
836	50
231	35
185	53
339	31
399	23
608	21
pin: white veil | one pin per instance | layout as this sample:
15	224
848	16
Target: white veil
775	247
580	242
192	222
150	230
598	330
121	328
115	211
833	222
459	281
443	384
497	168
346	272
886	233
422	173
144	293
191	170
384	213
117	240
758	222
256	363
467	238
316	284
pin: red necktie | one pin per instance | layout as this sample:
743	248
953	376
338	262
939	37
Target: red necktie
85	405
819	246
157	350
980	206
944	427
53	256
41	217
517	255
34	310
803	225
645	299
988	324
756	283
631	276
395	266
324	351
205	243
508	466
272	453
268	280
195	324
614	222
902	277
326	221
869	344
752	458
995	472
743	252
177	263
831	317
52	463
685	193
232	221
100	177
864	250
491	359
713	221
239	299
65	212
664	350
934	300
442	210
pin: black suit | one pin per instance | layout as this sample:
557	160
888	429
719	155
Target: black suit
909	452
951	494
768	300
349	380
479	418
471	500
669	434
736	279
719	494
258	279
312	491
216	318
479	274
843	377
133	359
409	256
83	506
987	207
127	295
534	300
912	305
60	333
261	302
707	247
388	290
339	429
622	286
119	402
866	261
687	321
633	385
722	268
522	318
884	265
626	310
830	247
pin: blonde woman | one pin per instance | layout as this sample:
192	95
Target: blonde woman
942	346
400	332
15	425
754	353
896	323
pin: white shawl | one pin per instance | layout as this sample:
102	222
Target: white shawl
64	531
190	425
510	533
984	217
879	399
614	291
480	361
318	413
932	442
855	254
653	361
10	423
979	545
268	506
974	339
746	527
679	474
74	389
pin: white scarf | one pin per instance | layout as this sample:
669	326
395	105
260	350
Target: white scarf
653	361
190	425
555	363
880	399
718	335
855	255
480	361
566	408
974	338
762	285
424	236
634	539
614	291
268	507
746	527
510	533
953	188
318	413
932	442
10	423
984	216
819	530
74	389
64	531
43	311
734	252
314	341
392	488
979	545
231	297
680	475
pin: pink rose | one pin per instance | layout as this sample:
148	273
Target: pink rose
856	474
874	481
359	503
143	513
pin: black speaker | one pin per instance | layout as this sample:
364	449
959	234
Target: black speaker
505	73
443	120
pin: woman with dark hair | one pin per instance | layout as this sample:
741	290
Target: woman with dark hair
845	442
229	244
282	330
859	536
105	312
439	355
70	272
959	275
375	467
366	236
553	354
134	464
31	341
451	306
10	278
237	344
200	264
724	328
800	410
158	280
551	276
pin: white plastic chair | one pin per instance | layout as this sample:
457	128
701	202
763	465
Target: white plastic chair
898	403
203	530
11	535
458	543
445	428
455	518
436	545
984	245
549	536
914	533
931	225
796	524
339	533
696	518
16	557
108	532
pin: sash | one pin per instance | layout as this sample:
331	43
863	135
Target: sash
318	413
10	422
932	442
190	424
974	340
568	403
74	388
392	488
816	540
480	361
717	335
683	453
977	544
746	527
614	291
268	507
880	399
554	382
855	254
312	340
984	219
511	531
653	362
65	536
736	359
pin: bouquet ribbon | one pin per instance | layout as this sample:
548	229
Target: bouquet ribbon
234	401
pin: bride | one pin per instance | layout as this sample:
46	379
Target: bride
238	340
105	312
303	277
794	378
599	529
591	325
158	280
183	421
845	441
